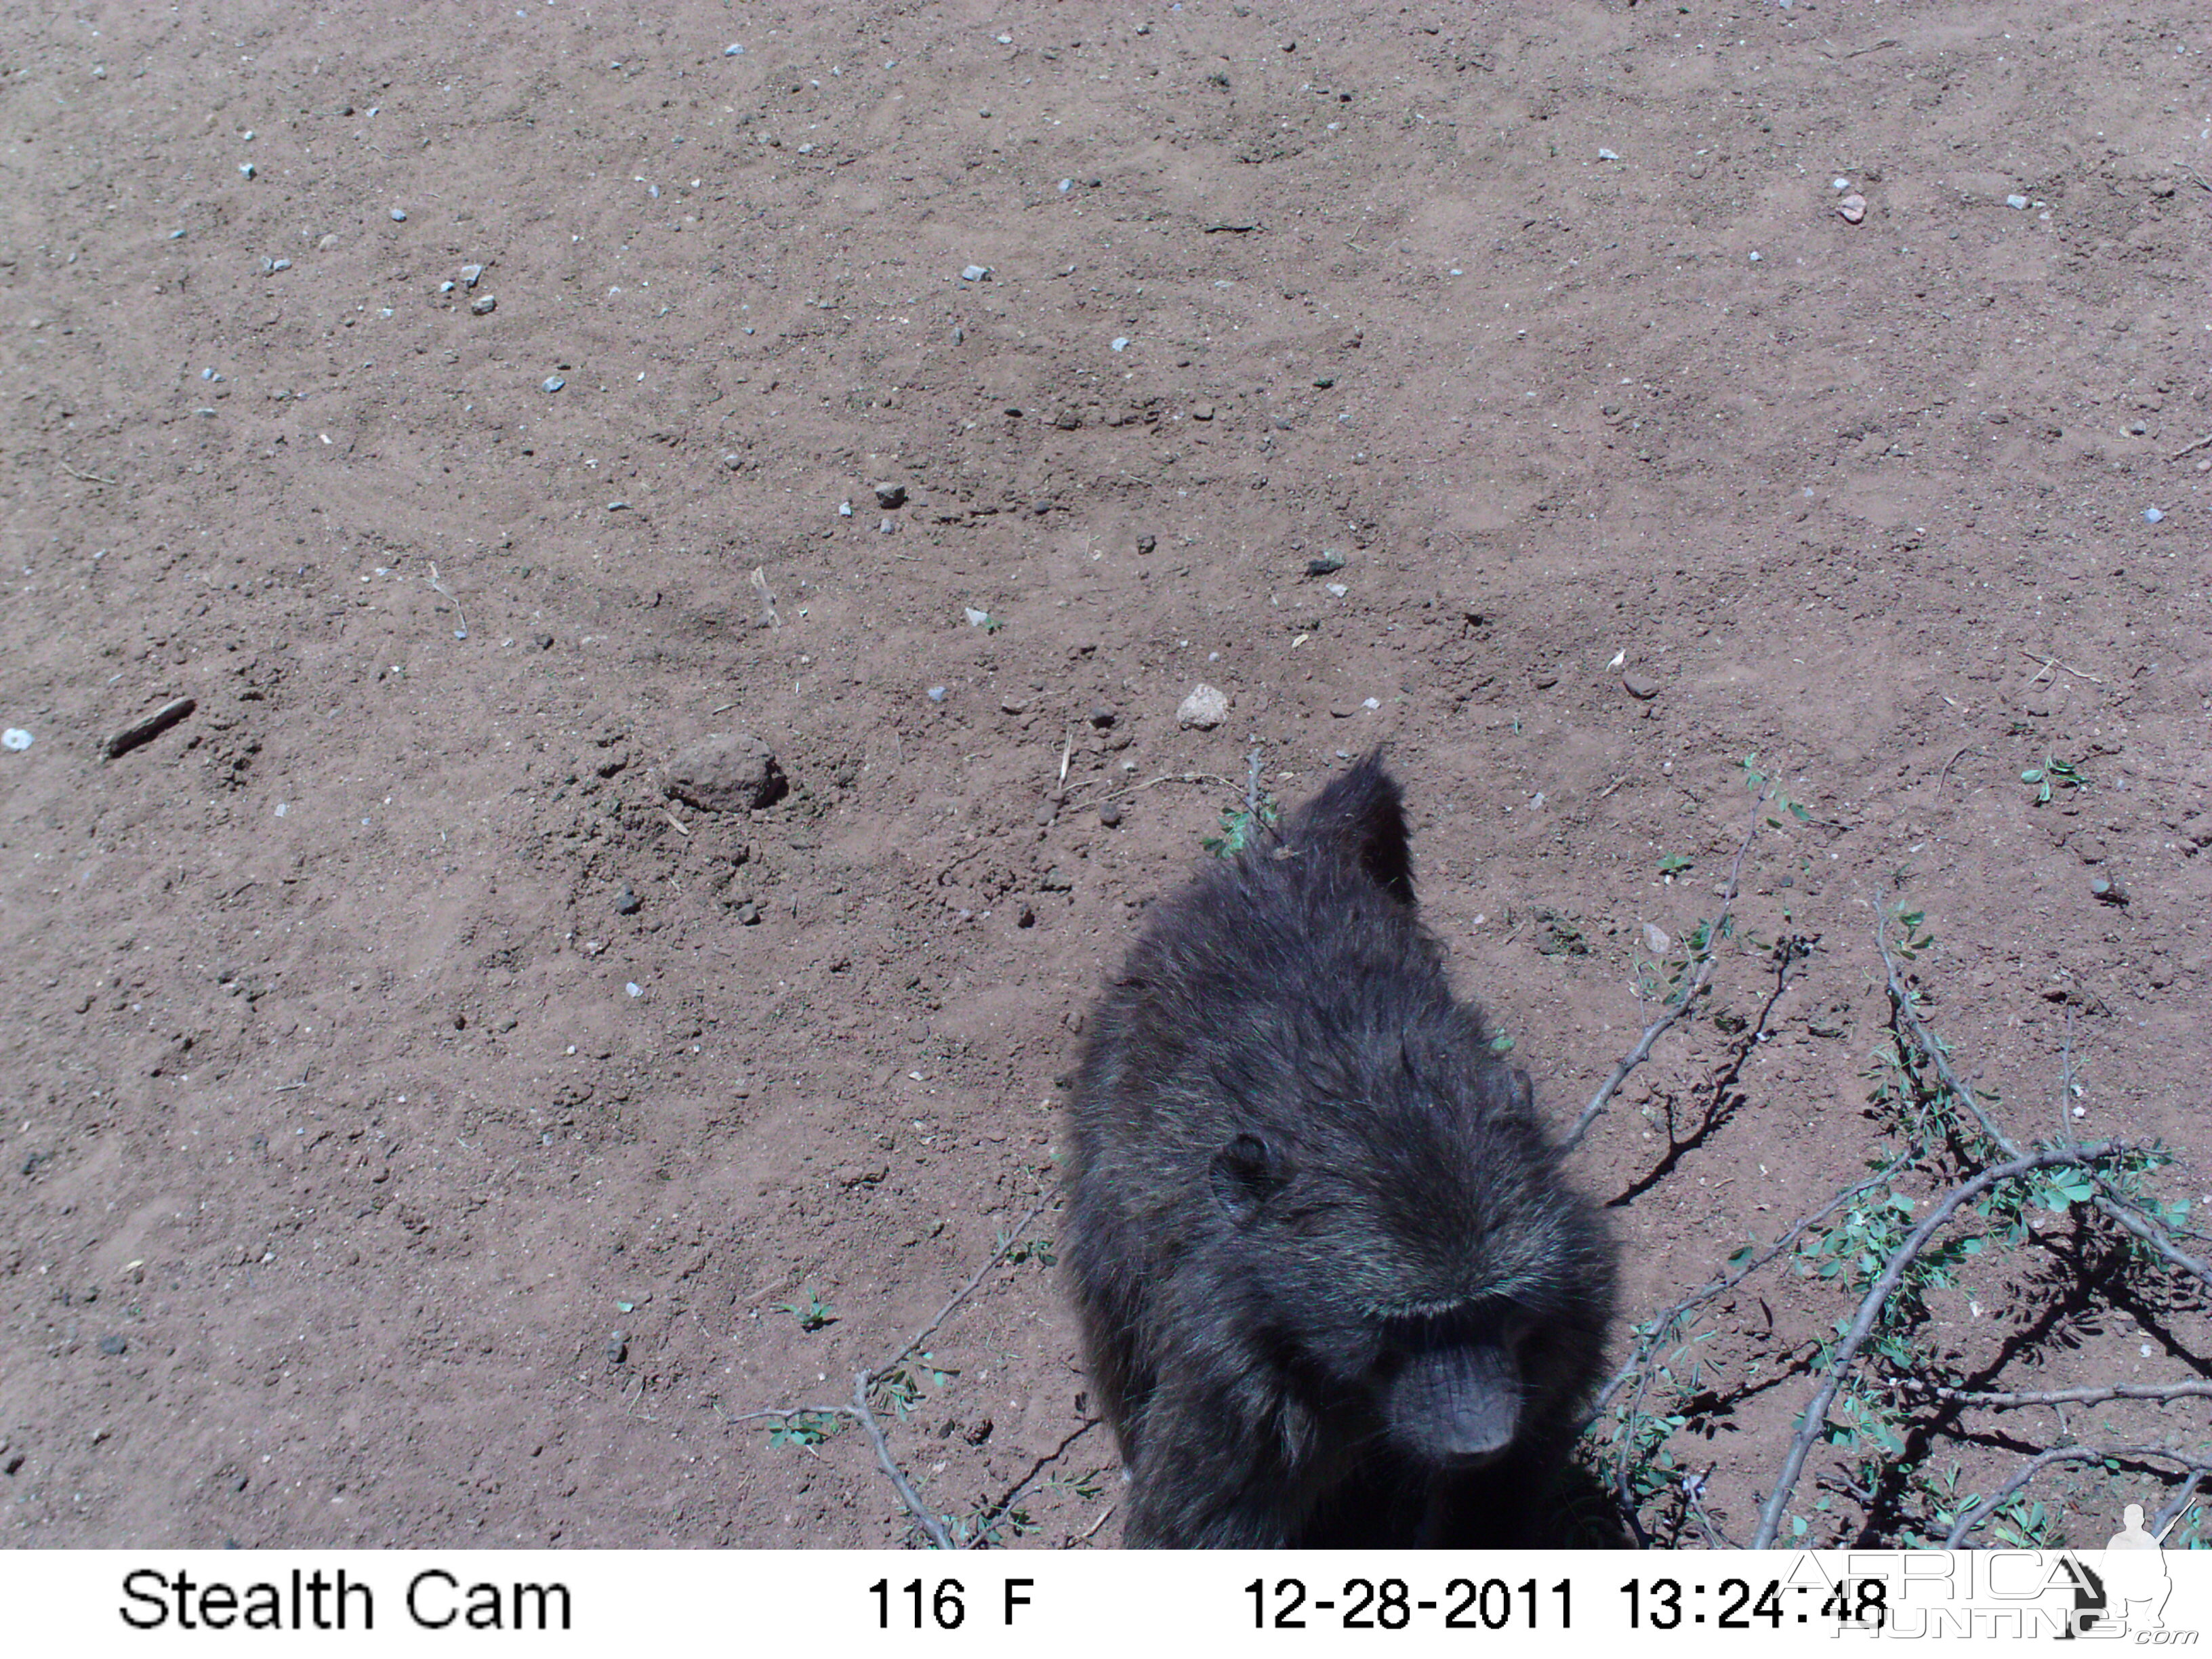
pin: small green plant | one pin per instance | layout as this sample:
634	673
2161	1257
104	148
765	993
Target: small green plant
1672	864
1039	1250
813	1315
805	1429
900	1387
1237	828
2053	774
1755	781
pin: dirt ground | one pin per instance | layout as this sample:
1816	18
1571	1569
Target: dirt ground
423	1130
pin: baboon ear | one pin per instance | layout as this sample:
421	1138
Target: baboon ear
1245	1174
1363	813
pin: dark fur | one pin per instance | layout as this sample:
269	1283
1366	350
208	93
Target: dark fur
1333	1290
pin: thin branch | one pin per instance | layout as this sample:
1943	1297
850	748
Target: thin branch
929	1523
1164	777
2193	1389
1723	1282
1975	1513
964	1292
2110	1200
2186	449
1252	786
1676	1008
1816	1421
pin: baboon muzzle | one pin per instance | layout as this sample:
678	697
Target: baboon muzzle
1458	1407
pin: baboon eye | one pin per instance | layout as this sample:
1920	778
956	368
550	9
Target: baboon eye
1245	1174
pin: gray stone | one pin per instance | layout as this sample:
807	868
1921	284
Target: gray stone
1642	687
1206	708
720	773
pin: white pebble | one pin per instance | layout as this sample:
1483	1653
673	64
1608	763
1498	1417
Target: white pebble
635	988
974	273
14	738
399	215
1655	940
552	383
844	510
2017	204
1842	184
1206	708
2152	515
733	50
1121	343
1608	155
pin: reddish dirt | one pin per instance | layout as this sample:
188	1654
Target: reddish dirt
348	1120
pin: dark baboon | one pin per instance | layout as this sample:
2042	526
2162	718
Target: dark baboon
1333	1290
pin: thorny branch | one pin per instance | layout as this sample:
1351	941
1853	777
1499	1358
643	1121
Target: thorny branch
1975	1513
858	1411
1816	1421
2096	1395
2110	1200
1707	960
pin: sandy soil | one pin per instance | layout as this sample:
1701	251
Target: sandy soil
423	1130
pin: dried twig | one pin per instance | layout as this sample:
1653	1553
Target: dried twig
1013	1237
1676	1008
2049	663
150	726
1943	775
1815	1422
93	477
1165	777
1975	1513
858	1411
2186	449
2193	1389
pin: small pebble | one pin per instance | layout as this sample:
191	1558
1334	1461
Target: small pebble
1110	814
1145	543
1327	565
634	989
323	244
618	506
936	693
1102	718
1206	708
2152	515
617	1348
1013	705
245	169
889	496
1853	209
976	619
399	215
553	383
1608	155
733	50
2017	204
176	235
1065	185
1339	589
1640	686
484	304
627	903
1120	343
2107	891
974	273
14	738
113	1345
749	914
470	273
